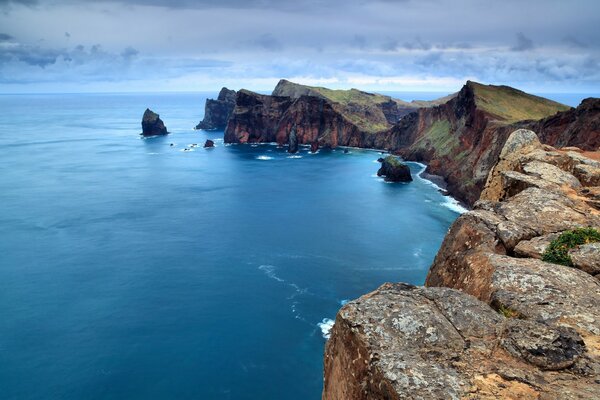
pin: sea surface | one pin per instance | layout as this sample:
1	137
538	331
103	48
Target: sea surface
133	269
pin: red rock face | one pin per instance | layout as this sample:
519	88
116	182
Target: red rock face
578	127
458	140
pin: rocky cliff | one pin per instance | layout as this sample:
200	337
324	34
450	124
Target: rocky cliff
217	112
459	139
495	321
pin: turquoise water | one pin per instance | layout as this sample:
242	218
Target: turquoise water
131	269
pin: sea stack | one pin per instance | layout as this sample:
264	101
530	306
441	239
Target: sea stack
209	143
152	125
217	112
293	141
394	171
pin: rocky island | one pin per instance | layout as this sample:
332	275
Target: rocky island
152	125
393	170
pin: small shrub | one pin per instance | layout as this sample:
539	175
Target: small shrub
558	250
508	312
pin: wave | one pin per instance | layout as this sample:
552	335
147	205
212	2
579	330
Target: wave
325	327
294	156
449	201
264	158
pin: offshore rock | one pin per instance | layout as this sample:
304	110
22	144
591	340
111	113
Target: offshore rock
217	112
209	143
152	125
293	141
394	171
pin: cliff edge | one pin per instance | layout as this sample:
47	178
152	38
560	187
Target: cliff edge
494	320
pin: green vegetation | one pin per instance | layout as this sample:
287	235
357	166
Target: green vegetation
439	138
393	161
558	250
510	105
508	312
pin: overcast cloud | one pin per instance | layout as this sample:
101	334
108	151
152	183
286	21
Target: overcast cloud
123	45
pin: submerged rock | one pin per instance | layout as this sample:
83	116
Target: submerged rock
152	125
394	171
209	143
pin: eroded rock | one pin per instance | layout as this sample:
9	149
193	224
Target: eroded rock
152	125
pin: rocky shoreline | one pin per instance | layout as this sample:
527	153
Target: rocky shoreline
493	321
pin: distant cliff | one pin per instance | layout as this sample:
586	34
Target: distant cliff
459	139
217	112
495	321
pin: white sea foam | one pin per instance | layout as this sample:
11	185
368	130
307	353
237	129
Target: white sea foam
269	270
325	327
264	158
294	156
449	201
344	302
253	145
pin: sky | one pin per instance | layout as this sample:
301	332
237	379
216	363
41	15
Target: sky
541	46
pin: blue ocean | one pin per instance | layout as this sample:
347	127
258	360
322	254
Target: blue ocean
132	269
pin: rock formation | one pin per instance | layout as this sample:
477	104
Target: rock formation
393	170
459	139
152	125
494	320
217	112
209	143
293	141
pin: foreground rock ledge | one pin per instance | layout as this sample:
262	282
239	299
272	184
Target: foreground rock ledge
406	342
495	320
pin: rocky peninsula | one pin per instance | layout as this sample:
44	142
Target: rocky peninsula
217	112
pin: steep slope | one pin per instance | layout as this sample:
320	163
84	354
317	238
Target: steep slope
217	112
494	320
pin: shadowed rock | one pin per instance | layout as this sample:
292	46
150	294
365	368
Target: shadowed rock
152	125
209	143
394	171
217	112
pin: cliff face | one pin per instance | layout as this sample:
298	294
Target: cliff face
495	321
217	112
459	139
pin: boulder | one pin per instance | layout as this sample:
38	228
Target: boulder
152	125
587	258
394	171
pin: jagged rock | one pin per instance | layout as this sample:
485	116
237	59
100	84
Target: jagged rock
535	247
403	342
546	347
293	141
152	125
587	258
314	147
588	175
499	181
394	171
209	143
217	112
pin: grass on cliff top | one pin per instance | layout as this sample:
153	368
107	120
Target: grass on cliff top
557	251
438	138
512	105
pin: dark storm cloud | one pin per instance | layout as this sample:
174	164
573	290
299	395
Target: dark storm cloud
324	40
523	43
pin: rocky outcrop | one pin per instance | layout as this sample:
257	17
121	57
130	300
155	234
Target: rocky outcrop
495	321
152	125
460	139
209	143
393	170
404	342
217	112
